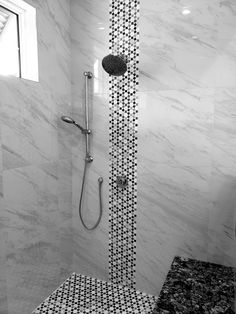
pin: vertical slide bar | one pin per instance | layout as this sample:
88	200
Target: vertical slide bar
88	75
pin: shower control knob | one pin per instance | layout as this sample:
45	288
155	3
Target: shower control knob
122	182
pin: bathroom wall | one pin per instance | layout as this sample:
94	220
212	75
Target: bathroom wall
89	44
186	156
186	136
109	251
35	170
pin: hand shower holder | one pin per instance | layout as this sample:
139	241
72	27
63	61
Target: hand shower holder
87	132
88	74
88	159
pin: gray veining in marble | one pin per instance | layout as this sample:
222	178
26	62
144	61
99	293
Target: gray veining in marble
186	149
89	33
36	189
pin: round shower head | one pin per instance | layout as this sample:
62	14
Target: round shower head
114	65
67	119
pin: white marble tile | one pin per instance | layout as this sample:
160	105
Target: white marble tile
29	185
47	186
174	167
3	265
33	285
53	24
186	175
91	248
186	44
32	132
222	217
186	180
186	149
36	161
3	279
224	131
40	237
90	43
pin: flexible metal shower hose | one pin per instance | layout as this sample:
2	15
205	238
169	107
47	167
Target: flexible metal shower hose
100	181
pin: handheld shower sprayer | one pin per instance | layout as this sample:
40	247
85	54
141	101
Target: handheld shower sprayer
71	121
67	119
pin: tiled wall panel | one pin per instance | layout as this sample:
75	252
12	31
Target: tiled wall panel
123	127
186	143
35	157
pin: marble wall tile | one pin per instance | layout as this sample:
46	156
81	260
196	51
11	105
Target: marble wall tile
3	283
91	248
39	233
174	167
31	131
186	180
192	44
89	36
3	269
186	202
53	23
89	44
222	217
223	134
3	238
36	165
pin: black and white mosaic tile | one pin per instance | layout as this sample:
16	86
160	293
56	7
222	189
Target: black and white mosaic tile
124	41
82	294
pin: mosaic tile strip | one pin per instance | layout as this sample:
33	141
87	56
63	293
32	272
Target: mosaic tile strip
124	40
82	294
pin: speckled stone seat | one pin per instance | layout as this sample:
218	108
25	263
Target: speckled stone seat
197	287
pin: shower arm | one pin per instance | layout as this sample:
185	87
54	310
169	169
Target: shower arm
84	131
87	131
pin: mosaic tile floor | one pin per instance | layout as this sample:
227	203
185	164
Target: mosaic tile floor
82	294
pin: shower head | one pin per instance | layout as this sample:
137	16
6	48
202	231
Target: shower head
114	65
71	121
67	119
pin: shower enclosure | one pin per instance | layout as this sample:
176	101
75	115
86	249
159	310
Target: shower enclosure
165	129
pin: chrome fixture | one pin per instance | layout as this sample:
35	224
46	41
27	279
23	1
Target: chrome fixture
114	65
88	158
71	121
122	182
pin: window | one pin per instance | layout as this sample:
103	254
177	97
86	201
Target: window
18	39
9	43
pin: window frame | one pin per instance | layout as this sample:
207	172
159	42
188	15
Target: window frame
18	36
27	37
